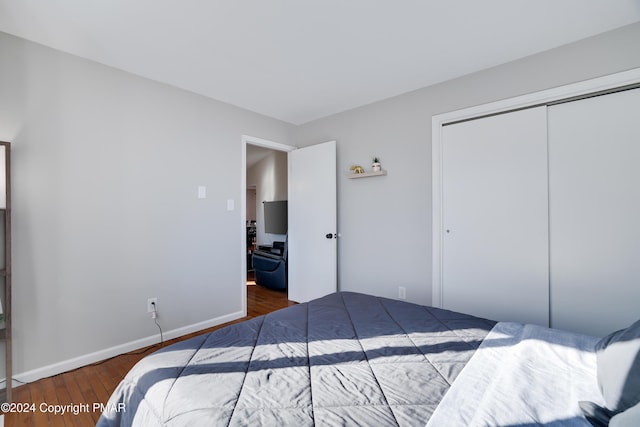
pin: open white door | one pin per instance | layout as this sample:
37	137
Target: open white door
312	231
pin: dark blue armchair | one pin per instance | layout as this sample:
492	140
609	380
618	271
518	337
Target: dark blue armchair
270	268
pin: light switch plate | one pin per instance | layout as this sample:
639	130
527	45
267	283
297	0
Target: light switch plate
202	192
230	205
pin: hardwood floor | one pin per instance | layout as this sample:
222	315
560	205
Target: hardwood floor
94	383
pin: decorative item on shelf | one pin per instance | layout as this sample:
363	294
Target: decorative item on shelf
357	171
376	166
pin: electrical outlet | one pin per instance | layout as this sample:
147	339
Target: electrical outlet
152	305
402	292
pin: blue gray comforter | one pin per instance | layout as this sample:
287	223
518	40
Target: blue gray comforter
344	359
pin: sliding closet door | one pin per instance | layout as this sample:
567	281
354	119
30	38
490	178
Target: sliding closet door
495	217
594	189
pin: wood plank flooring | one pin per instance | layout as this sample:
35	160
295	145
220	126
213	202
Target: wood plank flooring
95	383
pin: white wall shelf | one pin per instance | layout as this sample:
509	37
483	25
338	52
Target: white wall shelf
352	175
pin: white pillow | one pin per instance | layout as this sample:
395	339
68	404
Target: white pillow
628	418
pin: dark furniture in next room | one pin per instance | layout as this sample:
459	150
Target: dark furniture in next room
270	266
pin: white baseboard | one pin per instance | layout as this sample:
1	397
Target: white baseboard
77	362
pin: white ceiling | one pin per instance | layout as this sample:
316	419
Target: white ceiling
299	60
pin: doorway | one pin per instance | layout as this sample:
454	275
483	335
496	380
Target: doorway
264	171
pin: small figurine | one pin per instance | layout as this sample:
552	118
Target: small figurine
376	166
357	169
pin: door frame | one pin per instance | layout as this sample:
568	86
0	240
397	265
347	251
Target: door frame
260	142
545	97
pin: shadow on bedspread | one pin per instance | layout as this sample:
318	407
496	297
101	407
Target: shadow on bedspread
346	358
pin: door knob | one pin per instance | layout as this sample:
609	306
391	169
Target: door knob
331	236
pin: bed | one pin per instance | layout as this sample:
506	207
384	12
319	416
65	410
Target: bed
356	359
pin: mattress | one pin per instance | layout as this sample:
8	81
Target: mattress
344	359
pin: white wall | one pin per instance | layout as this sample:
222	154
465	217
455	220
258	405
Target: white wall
269	176
105	170
105	173
385	222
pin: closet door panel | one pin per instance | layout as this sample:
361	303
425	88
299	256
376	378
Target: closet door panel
594	202
495	217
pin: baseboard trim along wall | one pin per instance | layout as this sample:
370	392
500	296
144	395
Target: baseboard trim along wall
77	362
